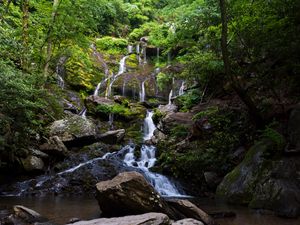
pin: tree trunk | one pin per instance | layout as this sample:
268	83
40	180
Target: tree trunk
240	91
49	37
25	34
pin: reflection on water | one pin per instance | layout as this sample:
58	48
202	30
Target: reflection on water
57	209
244	216
61	209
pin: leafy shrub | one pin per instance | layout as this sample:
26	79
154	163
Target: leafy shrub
188	100
112	45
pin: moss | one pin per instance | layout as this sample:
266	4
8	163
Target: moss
112	45
132	62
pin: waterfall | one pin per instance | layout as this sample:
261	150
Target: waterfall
147	160
111	120
169	58
137	48
142	92
59	71
149	126
144	53
122	69
96	92
157	55
129	49
181	89
83	113
170	97
123	88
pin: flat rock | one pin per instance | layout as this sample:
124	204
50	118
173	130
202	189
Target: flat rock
144	219
112	137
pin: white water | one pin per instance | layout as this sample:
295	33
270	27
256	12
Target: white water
96	92
147	160
138	49
122	69
129	49
60	81
123	88
142	92
83	113
110	120
170	97
181	89
157	55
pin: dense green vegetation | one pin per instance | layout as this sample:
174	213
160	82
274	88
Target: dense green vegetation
246	50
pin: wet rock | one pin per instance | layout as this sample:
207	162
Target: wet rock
263	183
55	147
38	153
294	131
190	210
129	193
144	219
212	179
33	163
74	131
188	222
172	120
92	102
112	137
120	99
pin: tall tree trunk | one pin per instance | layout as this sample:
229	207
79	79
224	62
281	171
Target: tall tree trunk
240	91
25	34
49	37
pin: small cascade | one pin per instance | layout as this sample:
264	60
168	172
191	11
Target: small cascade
142	92
122	69
59	72
123	88
147	160
111	120
181	89
170	97
157	55
83	113
137	49
144	54
96	92
129	49
149	126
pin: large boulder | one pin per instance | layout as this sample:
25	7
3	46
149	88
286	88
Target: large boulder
264	183
144	219
128	194
33	163
97	105
54	146
112	137
74	131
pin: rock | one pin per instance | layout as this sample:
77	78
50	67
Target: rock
263	183
212	179
129	193
172	120
74	131
188	222
33	163
55	147
167	109
294	130
112	137
74	220
190	210
144	219
92	102
38	153
120	99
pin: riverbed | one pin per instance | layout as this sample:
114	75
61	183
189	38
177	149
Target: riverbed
61	209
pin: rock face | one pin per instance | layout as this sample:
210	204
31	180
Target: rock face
33	163
55	147
74	131
144	219
129	194
112	137
294	130
92	102
263	183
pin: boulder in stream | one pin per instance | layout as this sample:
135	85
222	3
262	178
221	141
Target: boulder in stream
112	136
144	219
129	194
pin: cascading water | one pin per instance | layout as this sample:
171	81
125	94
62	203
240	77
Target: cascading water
111	120
181	89
170	97
129	49
147	160
142	92
59	72
123	88
122	69
157	55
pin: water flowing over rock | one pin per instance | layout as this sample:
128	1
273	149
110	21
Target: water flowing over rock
74	131
144	219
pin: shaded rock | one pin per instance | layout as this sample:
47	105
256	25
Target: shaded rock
33	163
294	130
144	219
264	183
55	147
112	137
172	120
190	210
92	102
74	131
212	179
120	99
38	153
188	222
129	193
